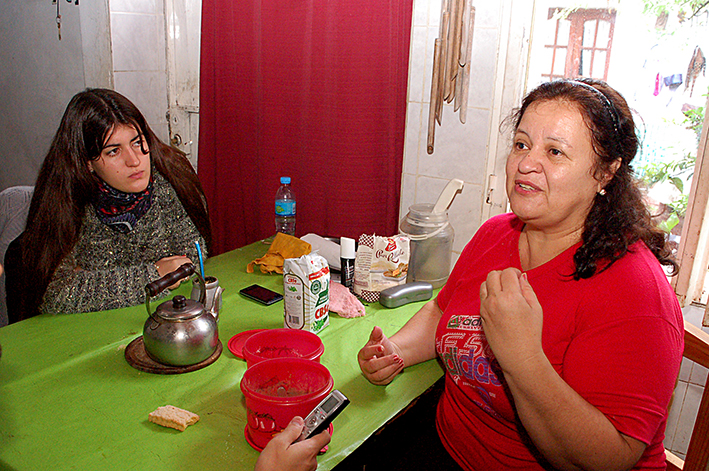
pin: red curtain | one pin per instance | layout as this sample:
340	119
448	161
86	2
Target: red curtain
311	89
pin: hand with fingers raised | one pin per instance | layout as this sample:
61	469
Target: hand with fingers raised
380	359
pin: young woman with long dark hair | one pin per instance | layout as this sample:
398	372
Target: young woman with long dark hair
113	209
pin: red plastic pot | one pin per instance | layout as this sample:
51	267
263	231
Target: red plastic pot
278	389
282	343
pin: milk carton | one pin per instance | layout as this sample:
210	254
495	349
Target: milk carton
306	289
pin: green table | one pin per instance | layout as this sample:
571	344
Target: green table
69	399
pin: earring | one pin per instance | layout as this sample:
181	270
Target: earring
602	192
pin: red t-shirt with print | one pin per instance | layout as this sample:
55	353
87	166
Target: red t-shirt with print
615	338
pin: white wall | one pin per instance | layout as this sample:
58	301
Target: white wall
40	74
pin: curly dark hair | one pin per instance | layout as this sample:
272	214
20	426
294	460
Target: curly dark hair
619	217
65	185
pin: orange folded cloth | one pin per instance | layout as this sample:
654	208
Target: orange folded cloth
283	246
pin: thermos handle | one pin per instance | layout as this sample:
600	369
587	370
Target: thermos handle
157	286
426	236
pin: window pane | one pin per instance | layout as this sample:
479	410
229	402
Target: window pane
546	60
589	33
549	32
599	64
564	28
604	32
559	61
585	66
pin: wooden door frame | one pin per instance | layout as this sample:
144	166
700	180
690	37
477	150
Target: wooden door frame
693	252
182	40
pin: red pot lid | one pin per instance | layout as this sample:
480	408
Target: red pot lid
236	343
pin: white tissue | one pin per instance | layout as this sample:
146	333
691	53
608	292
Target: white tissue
325	248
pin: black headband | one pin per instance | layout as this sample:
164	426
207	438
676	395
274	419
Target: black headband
606	103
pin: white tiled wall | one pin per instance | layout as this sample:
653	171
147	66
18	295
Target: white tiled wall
139	59
688	393
460	150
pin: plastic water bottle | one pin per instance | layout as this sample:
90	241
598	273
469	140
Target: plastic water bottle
285	208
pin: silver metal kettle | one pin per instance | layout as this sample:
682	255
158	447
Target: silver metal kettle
180	332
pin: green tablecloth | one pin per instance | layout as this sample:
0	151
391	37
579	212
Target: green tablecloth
69	399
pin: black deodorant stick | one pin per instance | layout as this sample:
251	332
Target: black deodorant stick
347	262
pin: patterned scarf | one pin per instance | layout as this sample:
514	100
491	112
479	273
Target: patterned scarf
121	211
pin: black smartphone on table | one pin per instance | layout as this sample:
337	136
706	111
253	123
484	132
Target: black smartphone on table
261	294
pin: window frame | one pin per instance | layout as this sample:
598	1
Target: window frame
574	46
693	251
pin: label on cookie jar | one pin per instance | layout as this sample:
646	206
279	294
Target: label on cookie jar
306	288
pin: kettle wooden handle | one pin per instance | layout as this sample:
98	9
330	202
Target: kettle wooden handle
170	279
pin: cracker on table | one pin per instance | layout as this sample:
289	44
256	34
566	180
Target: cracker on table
173	417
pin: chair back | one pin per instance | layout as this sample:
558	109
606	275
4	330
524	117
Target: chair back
696	349
14	205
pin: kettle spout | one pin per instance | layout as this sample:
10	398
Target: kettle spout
217	303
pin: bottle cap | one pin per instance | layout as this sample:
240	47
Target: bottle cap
285	180
347	247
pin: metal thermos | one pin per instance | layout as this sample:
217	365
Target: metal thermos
431	244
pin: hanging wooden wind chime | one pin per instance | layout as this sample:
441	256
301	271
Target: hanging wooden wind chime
451	63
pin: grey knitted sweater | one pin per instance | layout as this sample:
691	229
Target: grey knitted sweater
107	269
